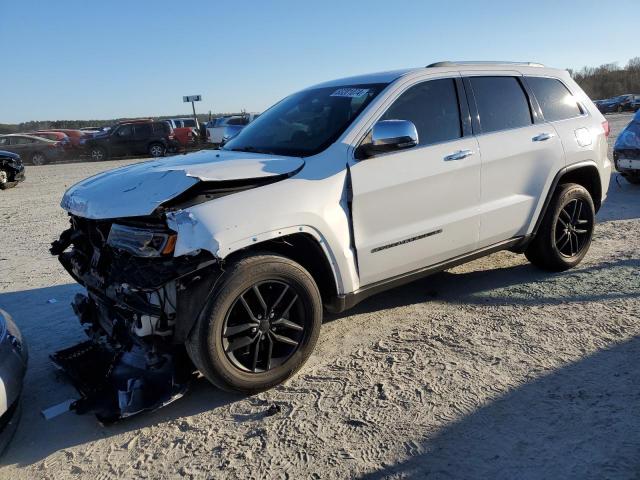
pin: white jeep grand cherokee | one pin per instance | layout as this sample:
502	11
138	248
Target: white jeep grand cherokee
336	192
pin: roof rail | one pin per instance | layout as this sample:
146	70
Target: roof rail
454	64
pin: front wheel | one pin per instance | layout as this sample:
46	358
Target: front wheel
98	154
260	326
565	233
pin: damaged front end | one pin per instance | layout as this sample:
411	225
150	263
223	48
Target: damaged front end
140	305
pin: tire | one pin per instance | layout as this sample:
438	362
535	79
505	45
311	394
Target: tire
565	234
38	158
156	150
99	154
280	282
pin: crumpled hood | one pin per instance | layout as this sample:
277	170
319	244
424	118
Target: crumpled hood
137	190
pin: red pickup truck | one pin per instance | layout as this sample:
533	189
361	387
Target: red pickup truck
185	130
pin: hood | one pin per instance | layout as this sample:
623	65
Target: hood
5	154
137	190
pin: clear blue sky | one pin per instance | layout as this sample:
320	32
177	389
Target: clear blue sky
109	58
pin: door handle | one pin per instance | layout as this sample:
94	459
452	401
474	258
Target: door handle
459	155
542	137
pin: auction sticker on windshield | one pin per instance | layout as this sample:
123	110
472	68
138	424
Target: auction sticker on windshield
350	92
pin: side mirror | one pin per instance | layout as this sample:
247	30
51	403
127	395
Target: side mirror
388	136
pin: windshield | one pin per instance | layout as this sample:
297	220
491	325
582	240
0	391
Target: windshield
306	122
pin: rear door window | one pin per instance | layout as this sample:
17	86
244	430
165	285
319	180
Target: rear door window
556	101
502	103
143	130
161	127
432	106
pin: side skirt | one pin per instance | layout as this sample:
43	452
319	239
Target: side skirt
340	303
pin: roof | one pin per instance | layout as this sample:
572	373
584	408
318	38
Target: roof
390	76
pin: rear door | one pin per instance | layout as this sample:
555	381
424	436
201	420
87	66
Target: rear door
518	150
569	119
417	207
142	135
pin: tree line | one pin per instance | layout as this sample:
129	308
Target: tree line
605	81
609	80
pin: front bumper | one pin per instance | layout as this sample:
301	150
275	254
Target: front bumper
137	314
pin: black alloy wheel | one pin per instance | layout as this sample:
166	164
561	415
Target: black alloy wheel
573	228
565	232
259	325
264	327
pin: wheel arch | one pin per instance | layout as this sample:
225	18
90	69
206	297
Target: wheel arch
302	248
583	173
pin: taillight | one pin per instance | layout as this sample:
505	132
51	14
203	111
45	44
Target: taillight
607	128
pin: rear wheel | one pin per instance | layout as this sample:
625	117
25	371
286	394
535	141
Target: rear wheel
260	327
38	158
157	150
565	233
99	154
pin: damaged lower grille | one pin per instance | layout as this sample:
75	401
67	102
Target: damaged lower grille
137	314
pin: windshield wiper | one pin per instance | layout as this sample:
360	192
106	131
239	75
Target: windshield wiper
250	150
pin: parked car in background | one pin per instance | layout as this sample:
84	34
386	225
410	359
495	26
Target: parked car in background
11	169
136	137
63	138
74	135
216	130
623	103
186	130
13	365
626	151
36	150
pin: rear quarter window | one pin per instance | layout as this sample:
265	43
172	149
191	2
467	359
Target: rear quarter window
161	127
555	100
502	103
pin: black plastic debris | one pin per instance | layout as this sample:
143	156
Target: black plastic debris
117	384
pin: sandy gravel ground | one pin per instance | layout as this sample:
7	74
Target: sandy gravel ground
490	370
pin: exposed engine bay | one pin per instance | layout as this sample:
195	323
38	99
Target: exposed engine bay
140	305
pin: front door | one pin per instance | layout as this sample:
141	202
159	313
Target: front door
121	140
417	207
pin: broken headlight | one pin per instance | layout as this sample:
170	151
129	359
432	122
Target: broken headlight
141	242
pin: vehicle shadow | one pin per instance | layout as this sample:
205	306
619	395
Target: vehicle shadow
581	421
48	324
521	284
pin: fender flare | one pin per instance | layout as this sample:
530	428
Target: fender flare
255	240
554	184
